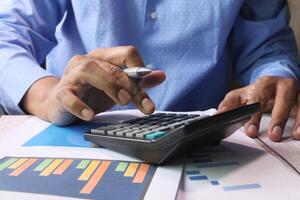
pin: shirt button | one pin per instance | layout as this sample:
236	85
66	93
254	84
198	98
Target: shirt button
153	15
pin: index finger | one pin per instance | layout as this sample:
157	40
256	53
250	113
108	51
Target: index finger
121	56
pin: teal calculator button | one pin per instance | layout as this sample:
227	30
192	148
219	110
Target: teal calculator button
154	135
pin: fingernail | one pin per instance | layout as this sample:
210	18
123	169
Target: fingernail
147	104
277	132
252	130
123	96
87	114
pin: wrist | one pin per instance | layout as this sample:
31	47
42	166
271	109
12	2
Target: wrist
39	99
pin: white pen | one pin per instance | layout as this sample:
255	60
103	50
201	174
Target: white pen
136	72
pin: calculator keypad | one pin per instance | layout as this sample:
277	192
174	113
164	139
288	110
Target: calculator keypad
148	127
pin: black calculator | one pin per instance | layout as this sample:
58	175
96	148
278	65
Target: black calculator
158	137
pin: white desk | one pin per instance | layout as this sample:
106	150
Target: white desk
239	168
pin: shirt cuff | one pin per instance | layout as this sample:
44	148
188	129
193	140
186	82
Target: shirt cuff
15	79
279	68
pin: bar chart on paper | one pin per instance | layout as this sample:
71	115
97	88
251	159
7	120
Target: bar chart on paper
80	178
215	169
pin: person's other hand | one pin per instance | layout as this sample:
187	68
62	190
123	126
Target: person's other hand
94	83
275	94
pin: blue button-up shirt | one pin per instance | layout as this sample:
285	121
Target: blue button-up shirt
201	45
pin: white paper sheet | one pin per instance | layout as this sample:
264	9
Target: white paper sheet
167	177
246	171
288	149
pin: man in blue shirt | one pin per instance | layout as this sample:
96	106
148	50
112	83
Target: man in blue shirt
192	43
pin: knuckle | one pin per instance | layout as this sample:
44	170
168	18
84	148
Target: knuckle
290	84
94	52
74	62
266	81
263	100
87	66
231	94
114	70
131	51
77	58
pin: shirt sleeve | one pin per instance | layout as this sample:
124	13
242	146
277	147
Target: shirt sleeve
262	42
27	35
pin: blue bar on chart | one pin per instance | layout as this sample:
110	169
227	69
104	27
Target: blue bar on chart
215	182
192	172
241	187
197	178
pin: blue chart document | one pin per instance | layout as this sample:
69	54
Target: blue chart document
71	136
80	178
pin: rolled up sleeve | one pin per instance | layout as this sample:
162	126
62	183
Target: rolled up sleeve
27	35
263	43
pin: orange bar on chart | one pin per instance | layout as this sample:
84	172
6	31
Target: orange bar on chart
18	163
131	169
60	170
89	170
95	179
51	167
23	167
140	175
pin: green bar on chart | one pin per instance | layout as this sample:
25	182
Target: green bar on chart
83	164
7	163
43	165
121	166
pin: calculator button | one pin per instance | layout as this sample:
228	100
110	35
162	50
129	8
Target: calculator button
133	126
155	135
153	127
144	126
132	133
111	133
140	134
123	132
102	129
176	125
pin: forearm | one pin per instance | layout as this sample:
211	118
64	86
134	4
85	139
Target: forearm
27	35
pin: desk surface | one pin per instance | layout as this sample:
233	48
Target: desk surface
239	166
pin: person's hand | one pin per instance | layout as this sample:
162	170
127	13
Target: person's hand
91	84
275	94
